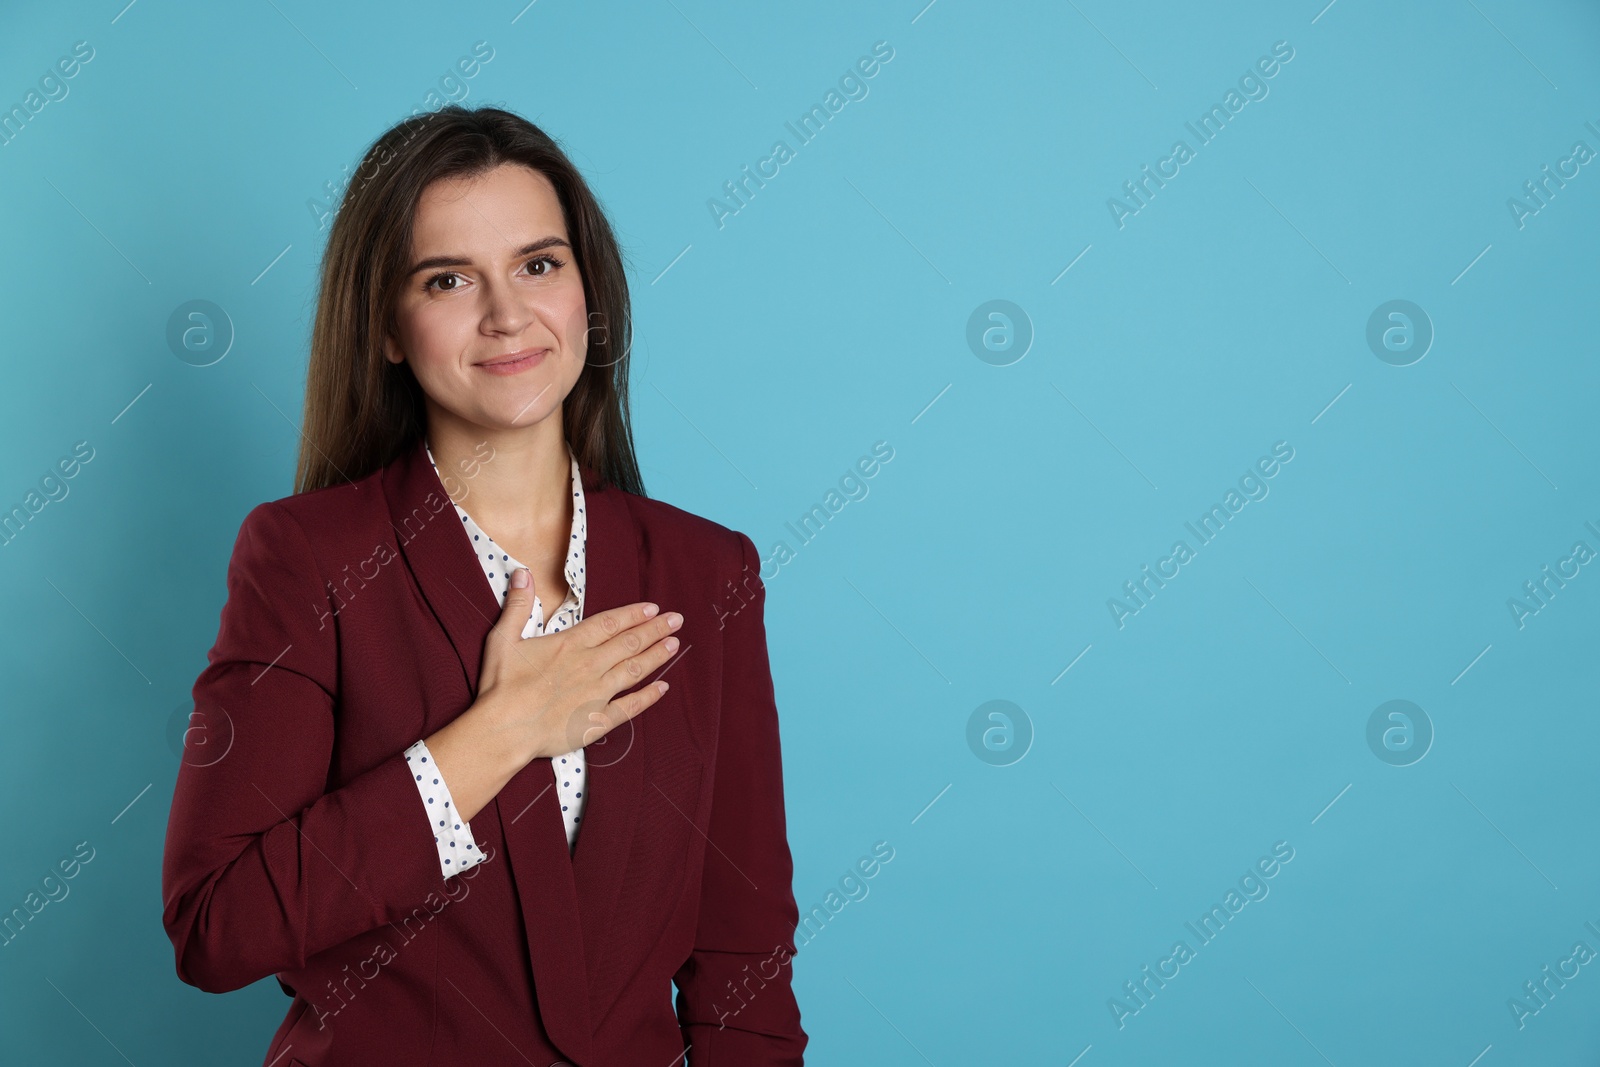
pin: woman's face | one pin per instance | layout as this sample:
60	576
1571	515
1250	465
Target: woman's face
493	276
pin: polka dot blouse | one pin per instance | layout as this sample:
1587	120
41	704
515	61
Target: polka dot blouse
457	850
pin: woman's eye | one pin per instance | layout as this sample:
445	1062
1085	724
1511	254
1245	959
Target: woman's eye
550	261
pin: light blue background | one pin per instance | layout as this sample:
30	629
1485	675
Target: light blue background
830	313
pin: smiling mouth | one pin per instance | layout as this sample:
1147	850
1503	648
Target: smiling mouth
515	362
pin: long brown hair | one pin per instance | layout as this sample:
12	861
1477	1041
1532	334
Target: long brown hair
362	411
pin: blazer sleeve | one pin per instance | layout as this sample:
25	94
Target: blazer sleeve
735	1001
263	866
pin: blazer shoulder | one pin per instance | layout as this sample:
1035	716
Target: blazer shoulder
719	550
335	520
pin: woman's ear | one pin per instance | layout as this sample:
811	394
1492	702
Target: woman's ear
391	349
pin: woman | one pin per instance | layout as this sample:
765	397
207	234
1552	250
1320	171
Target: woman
441	802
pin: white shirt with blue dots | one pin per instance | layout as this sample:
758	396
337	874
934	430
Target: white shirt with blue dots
457	850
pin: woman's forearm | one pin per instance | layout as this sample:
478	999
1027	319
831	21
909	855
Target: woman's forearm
477	754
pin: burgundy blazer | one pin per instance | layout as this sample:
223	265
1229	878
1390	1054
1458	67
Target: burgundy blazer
298	845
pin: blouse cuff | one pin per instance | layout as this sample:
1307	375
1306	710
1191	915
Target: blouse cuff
451	833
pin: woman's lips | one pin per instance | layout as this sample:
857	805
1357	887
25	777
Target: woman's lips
515	364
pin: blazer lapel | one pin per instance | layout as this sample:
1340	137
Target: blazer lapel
615	762
563	940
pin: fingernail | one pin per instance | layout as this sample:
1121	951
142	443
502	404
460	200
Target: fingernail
519	578
650	609
674	620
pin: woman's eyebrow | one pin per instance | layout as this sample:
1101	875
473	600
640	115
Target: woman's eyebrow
460	261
